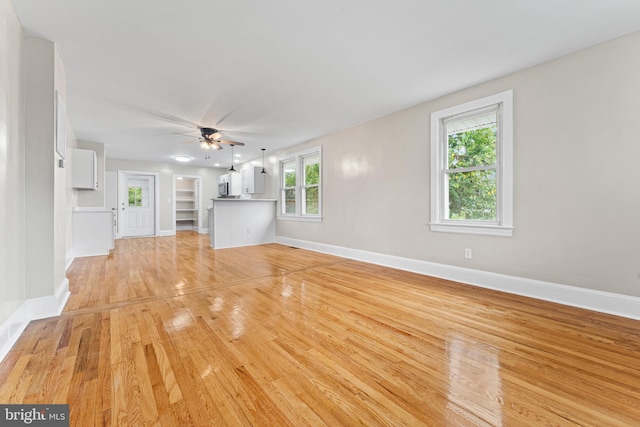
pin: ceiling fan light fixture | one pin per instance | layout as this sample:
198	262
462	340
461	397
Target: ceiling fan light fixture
205	145
216	136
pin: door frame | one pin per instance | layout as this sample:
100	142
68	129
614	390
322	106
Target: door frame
156	201
198	201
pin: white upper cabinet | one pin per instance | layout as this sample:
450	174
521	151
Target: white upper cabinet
84	174
252	180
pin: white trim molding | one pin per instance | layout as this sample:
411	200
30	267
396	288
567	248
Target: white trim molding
12	328
590	299
31	309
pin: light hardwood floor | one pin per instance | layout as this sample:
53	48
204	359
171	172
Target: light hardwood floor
166	331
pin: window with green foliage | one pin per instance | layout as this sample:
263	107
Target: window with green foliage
135	196
471	148
289	187
311	184
300	188
471	168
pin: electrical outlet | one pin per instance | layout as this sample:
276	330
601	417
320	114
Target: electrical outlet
468	253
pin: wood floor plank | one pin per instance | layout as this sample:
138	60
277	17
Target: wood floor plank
166	331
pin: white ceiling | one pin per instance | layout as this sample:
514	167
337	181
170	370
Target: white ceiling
276	73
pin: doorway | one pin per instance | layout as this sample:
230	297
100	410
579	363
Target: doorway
188	212
137	204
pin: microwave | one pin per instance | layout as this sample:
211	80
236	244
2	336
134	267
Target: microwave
223	189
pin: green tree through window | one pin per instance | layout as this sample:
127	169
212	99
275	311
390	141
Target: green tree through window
289	187
311	184
471	172
135	196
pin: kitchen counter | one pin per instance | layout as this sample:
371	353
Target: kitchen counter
92	232
233	199
242	222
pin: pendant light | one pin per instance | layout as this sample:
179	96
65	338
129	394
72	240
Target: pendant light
232	169
263	171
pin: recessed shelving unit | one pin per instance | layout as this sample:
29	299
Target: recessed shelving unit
187	204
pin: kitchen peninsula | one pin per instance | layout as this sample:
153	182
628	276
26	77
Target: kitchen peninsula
242	222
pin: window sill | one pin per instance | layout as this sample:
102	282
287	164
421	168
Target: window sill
299	218
486	230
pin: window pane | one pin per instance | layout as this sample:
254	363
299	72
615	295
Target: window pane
289	174
472	141
311	200
311	170
472	195
135	196
290	201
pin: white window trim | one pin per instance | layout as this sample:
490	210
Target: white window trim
505	170
298	158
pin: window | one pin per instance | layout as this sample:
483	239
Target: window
135	196
471	167
301	186
289	187
138	192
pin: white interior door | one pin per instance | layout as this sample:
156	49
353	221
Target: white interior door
137	205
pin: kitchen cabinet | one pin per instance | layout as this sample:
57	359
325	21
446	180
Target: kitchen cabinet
84	174
234	183
252	180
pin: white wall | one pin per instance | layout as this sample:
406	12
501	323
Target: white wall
12	256
35	208
577	201
45	182
167	170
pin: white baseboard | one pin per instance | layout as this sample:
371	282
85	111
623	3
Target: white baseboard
165	233
203	231
604	302
31	309
12	328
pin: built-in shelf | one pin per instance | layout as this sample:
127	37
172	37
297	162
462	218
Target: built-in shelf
186	198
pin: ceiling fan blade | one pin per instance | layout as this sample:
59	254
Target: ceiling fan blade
222	141
154	113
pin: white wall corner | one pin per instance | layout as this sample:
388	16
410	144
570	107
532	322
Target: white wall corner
49	306
604	302
62	295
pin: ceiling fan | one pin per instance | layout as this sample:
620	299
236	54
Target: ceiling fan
211	139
